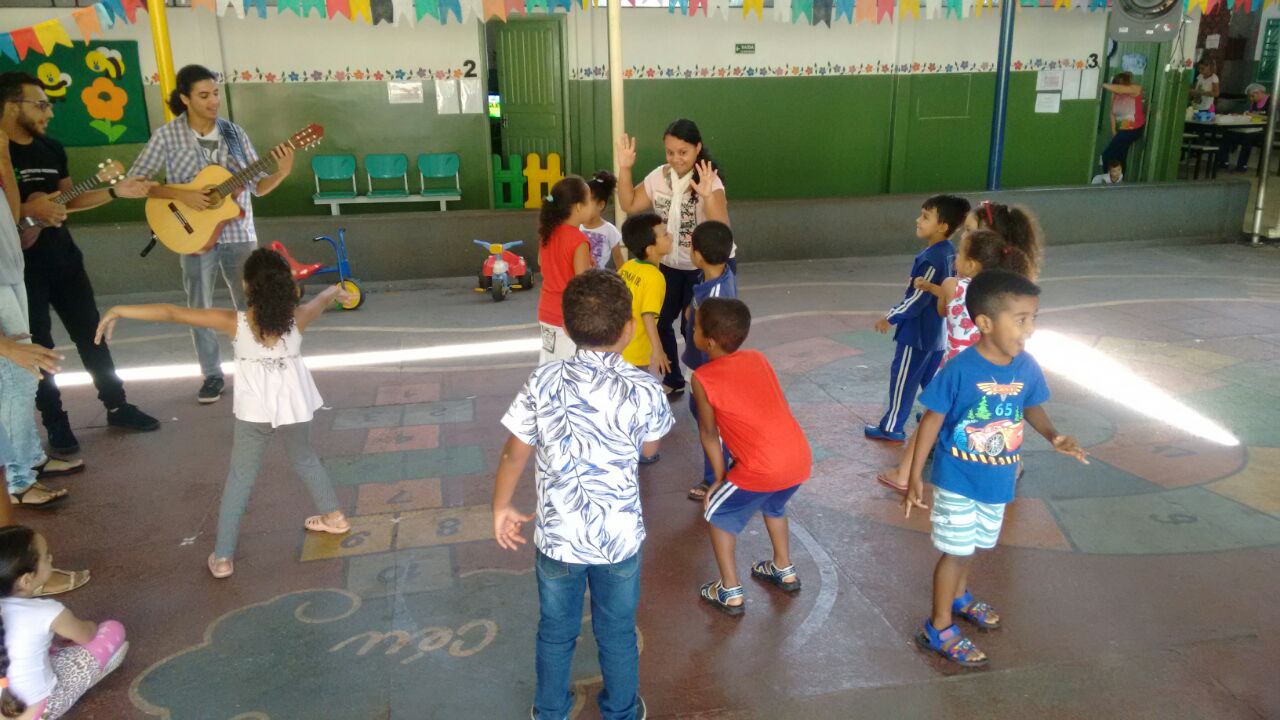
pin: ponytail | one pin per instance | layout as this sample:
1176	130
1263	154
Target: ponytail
602	185
993	252
558	205
186	78
18	557
1017	226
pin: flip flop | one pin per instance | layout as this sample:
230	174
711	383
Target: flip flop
213	567
698	492
316	523
54	467
55	497
76	579
883	479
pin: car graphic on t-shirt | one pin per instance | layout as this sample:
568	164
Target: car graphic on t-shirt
995	438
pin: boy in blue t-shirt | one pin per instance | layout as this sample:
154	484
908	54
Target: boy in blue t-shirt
919	335
712	246
975	411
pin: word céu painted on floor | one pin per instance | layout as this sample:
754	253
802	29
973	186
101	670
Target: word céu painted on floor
469	639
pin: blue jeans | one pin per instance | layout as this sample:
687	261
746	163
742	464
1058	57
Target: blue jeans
615	593
18	397
708	475
199	277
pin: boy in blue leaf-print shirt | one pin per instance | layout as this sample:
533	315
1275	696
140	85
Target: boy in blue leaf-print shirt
976	411
588	418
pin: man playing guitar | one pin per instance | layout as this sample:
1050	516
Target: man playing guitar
194	139
55	272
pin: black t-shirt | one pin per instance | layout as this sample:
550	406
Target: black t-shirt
40	165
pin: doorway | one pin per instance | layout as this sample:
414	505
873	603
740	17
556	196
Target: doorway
527	74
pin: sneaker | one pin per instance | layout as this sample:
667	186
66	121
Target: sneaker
873	432
61	440
211	390
129	417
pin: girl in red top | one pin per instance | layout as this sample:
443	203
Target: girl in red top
564	252
740	400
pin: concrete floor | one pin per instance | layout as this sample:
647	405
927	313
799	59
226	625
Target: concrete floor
1137	587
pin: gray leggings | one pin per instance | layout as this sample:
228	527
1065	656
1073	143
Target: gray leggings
251	440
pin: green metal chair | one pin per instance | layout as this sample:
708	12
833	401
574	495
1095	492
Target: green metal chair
334	169
440	167
387	167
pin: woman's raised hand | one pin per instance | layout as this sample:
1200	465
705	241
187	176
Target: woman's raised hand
707	175
626	152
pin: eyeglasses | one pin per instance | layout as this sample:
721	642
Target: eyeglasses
40	104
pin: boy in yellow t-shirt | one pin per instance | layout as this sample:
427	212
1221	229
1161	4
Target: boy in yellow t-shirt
647	239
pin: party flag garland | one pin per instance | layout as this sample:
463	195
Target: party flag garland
87	23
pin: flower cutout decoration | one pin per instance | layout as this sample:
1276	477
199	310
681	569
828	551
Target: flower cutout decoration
105	102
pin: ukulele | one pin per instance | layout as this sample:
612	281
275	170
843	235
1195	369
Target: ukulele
191	231
29	228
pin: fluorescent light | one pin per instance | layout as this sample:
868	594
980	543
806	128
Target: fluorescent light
319	362
1099	373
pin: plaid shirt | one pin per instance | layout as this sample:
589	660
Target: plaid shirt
174	149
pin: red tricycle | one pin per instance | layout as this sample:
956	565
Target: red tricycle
503	270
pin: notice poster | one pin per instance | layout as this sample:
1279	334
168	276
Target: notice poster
1048	103
1071	84
447	97
1049	81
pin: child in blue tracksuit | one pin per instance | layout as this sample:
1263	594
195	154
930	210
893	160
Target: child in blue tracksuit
712	245
919	334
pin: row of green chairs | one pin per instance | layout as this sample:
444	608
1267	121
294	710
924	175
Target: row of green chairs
386	179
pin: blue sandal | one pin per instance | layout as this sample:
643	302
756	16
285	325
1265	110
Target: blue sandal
719	595
765	570
950	644
979	613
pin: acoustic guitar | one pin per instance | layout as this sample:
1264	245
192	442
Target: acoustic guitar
191	231
29	228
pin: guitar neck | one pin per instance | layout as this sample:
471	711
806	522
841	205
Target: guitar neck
77	190
238	180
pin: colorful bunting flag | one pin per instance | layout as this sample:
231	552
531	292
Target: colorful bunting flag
884	8
844	8
107	21
566	5
531	5
802	8
1061	5
51	34
86	19
695	5
360	10
493	9
1095	5
402	9
515	7
334	8
131	8
979	5
6	47
865	11
261	5
235	5
909	7
955	7
430	7
446	6
383	11
822	10
25	40
753	6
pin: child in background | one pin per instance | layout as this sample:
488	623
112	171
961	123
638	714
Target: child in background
975	412
712	246
603	235
563	252
919	329
1113	176
1015	223
739	398
43	683
979	250
274	391
589	418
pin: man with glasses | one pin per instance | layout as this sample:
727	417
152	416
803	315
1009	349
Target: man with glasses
55	273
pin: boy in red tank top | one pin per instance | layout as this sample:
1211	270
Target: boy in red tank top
740	401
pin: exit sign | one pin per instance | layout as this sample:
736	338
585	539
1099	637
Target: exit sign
744	49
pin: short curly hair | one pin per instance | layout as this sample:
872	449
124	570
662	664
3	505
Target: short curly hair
596	306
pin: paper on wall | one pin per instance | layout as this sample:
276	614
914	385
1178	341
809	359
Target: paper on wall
1071	84
1089	83
473	97
447	97
1049	81
404	93
1048	102
1212	42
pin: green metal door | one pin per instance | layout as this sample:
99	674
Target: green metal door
531	82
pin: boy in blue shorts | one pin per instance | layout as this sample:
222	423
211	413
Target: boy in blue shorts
712	246
919	335
975	412
740	401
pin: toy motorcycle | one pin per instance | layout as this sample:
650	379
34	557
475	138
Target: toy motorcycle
503	271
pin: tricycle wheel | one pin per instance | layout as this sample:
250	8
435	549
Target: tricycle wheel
300	290
499	291
356	291
526	282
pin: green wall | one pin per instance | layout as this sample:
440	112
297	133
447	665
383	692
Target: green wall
846	136
357	119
